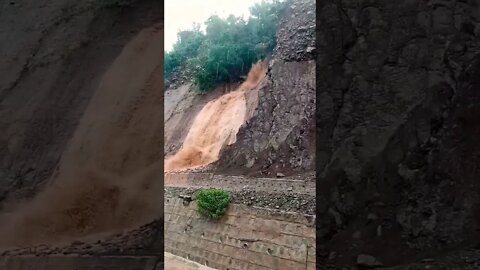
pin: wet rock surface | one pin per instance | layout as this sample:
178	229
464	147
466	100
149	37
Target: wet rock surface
368	261
398	104
465	260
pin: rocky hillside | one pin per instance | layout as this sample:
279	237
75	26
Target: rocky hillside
397	113
54	53
279	135
279	138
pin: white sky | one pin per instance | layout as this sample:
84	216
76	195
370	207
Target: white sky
181	14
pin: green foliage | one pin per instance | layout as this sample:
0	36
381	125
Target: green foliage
212	203
228	48
188	43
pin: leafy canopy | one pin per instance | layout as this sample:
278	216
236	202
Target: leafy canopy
227	48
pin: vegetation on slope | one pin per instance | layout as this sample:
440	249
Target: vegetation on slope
227	48
212	203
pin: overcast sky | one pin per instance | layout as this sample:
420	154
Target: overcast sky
181	14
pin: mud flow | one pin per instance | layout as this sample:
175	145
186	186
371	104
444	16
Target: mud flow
109	177
216	126
86	207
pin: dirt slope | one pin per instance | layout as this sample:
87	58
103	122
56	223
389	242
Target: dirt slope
120	130
54	53
108	175
181	106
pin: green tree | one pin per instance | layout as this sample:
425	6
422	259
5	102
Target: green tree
229	46
187	45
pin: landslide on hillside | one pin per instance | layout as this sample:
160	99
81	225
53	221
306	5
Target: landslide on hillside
53	58
216	125
105	100
181	105
280	135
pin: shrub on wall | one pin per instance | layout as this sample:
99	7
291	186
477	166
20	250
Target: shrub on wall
212	203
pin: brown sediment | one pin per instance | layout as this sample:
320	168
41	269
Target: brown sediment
109	178
216	125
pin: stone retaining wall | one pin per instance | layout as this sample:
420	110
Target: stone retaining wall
207	180
245	238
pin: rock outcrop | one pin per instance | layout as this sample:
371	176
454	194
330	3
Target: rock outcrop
398	109
280	135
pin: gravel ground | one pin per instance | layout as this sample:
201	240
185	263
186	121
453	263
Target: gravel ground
285	201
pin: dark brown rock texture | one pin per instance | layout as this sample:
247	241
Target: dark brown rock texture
398	117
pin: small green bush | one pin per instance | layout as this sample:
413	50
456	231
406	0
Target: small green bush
212	203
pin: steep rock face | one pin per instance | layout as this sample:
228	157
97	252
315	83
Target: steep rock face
280	135
397	111
53	56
